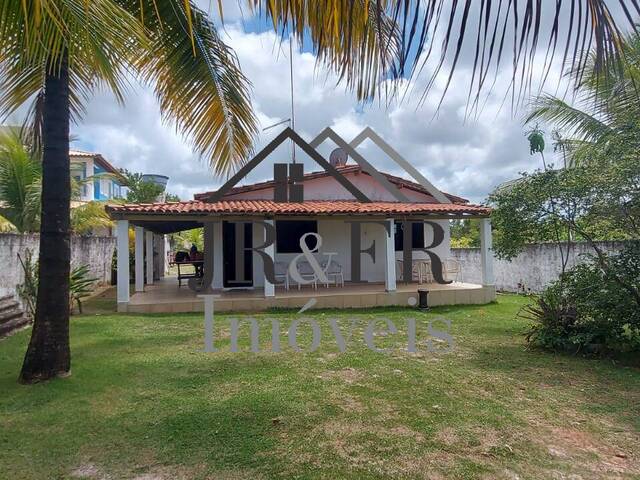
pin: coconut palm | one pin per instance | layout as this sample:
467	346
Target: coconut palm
59	51
606	111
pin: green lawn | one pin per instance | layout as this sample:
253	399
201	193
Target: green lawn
145	402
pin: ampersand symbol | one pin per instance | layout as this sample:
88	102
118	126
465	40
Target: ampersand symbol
318	272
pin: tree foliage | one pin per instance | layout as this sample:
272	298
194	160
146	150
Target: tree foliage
20	182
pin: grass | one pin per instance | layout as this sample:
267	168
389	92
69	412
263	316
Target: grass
144	401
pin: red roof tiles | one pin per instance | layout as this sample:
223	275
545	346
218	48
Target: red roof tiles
308	207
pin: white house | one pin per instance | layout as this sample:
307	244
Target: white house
329	202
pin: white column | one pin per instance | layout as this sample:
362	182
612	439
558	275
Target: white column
122	244
269	288
162	244
139	259
217	256
486	252
390	267
149	257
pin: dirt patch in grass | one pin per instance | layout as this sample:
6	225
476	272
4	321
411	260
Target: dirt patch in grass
347	375
597	455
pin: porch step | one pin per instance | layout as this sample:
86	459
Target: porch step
12	317
13	325
7	303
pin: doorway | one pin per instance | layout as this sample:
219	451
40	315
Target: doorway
230	255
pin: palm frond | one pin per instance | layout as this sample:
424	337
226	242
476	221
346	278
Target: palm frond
568	118
89	217
205	94
20	175
34	36
360	40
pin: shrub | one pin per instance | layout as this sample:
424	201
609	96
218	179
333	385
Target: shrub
590	307
80	284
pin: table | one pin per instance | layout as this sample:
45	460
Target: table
198	267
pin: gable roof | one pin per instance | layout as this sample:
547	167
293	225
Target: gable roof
100	160
344	170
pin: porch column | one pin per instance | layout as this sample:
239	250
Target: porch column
149	257
486	253
139	259
269	288
390	267
122	267
217	256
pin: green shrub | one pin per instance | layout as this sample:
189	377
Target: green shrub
80	284
590	308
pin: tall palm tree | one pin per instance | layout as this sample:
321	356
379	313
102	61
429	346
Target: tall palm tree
606	109
64	49
58	52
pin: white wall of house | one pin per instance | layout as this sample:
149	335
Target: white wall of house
336	238
336	234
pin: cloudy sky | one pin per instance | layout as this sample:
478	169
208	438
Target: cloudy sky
468	157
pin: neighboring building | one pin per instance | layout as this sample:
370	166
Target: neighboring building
108	183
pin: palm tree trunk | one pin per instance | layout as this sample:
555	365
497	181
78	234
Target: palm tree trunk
48	354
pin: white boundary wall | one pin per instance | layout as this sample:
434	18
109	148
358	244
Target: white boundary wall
537	266
93	251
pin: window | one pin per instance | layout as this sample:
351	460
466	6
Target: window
288	233
417	235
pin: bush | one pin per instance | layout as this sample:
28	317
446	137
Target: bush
80	284
590	308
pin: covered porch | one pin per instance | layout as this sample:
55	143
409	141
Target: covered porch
371	277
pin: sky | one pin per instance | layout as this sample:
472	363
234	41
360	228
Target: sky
460	155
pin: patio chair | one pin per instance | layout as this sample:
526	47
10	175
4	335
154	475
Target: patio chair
282	273
452	267
306	272
416	270
333	270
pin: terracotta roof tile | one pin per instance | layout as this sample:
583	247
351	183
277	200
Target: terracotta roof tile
309	207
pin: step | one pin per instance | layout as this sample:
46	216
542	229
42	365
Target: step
16	323
7	300
8	305
9	315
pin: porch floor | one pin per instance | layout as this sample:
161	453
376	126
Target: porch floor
165	296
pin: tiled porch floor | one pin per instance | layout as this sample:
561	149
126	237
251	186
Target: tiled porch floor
165	296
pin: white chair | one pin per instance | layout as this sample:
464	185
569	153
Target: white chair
306	272
416	270
453	268
333	270
281	272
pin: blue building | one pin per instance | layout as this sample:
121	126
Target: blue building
108	183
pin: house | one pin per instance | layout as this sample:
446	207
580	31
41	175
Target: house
108	183
359	215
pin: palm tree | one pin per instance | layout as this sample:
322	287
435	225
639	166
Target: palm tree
20	182
60	51
606	111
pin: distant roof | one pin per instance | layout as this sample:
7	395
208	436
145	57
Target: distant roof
346	169
98	158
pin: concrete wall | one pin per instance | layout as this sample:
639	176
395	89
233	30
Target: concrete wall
93	251
532	270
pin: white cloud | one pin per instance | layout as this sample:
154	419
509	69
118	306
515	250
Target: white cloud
467	157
